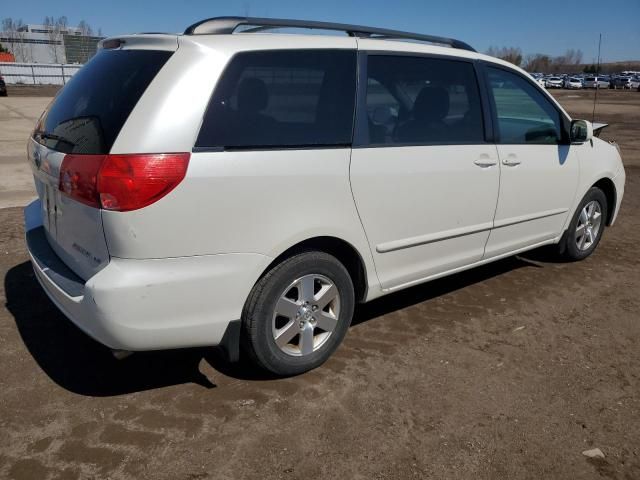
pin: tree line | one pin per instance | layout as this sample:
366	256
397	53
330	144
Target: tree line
570	62
539	62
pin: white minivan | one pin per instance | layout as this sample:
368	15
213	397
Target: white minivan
234	187
596	82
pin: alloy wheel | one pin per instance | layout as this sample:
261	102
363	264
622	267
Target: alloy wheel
588	227
306	315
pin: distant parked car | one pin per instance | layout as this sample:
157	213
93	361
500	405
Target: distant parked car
596	82
553	82
622	82
539	79
635	83
608	79
3	87
572	83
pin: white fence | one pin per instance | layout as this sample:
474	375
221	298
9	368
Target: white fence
37	73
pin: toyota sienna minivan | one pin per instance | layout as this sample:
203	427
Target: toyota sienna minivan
235	187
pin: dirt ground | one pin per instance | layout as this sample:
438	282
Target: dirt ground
32	90
18	116
507	371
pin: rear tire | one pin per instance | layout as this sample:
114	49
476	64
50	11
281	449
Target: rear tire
298	313
586	227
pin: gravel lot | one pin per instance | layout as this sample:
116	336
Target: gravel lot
18	116
507	371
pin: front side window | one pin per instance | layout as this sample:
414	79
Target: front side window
422	101
285	98
524	114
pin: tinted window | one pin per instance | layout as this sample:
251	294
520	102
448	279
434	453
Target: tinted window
88	113
283	99
524	114
414	100
383	110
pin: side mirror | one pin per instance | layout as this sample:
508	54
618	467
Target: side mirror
581	131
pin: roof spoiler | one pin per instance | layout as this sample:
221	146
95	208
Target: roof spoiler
147	41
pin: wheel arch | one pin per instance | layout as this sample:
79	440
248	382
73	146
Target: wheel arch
345	252
609	189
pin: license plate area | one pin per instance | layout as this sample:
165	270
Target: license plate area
73	230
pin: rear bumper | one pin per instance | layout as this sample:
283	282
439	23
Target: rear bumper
147	304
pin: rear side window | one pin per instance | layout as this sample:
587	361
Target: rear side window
422	101
88	113
285	98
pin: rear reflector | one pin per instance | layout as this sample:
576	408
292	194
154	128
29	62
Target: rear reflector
121	182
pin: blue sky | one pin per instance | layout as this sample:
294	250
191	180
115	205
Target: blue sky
535	26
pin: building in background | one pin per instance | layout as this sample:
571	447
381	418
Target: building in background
79	48
47	44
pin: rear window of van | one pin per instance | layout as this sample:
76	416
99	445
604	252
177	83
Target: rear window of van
88	113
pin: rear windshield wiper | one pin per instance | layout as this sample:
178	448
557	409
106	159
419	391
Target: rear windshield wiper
51	136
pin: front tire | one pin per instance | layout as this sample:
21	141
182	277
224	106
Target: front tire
298	313
586	228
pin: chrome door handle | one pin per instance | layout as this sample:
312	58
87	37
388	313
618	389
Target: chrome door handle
511	161
485	162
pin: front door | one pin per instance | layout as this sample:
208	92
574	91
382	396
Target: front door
539	168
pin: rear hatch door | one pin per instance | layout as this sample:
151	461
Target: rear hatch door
85	118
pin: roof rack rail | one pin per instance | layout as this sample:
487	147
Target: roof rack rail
227	25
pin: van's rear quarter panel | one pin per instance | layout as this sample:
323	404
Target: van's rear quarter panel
248	202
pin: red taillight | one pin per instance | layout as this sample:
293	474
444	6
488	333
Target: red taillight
79	178
122	182
129	182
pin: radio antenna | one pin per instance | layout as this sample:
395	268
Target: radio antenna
595	97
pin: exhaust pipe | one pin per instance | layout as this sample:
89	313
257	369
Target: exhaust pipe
121	354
